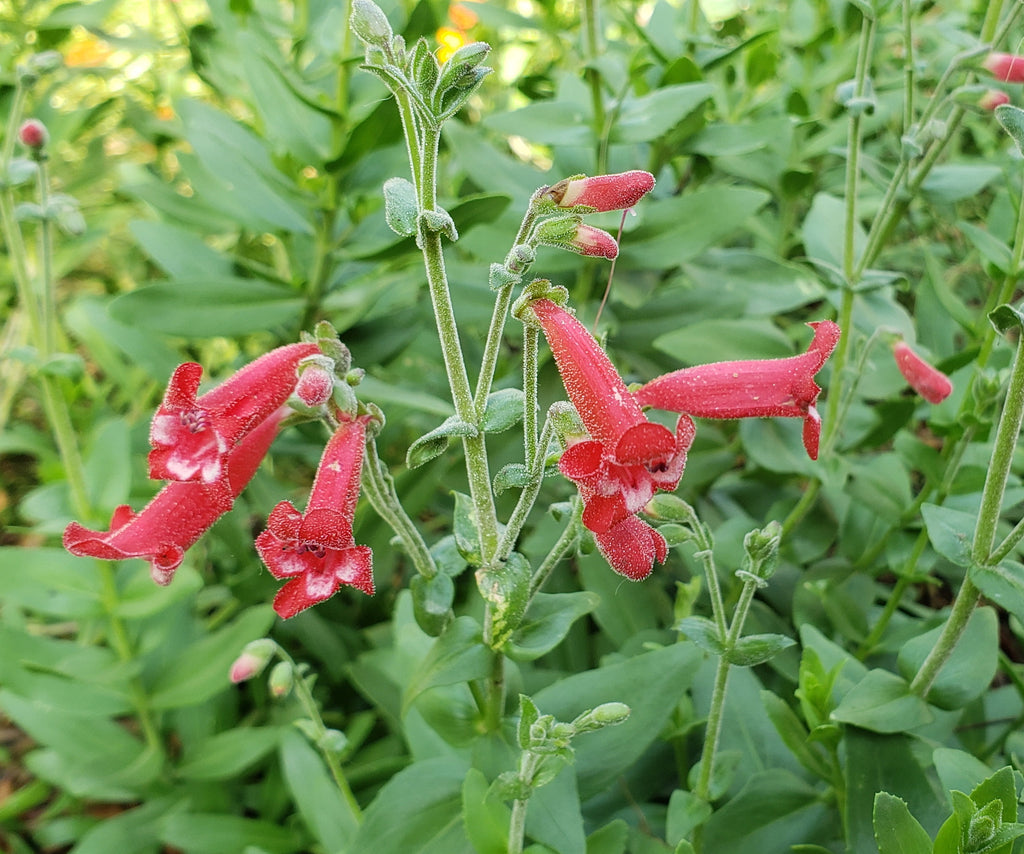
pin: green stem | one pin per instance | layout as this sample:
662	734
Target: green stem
563	545
528	763
853	148
985	530
908	66
591	52
47	285
528	496
380	489
305	696
474	446
495	692
531	339
800	509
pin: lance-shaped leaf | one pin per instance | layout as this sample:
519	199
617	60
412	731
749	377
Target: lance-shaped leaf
436	442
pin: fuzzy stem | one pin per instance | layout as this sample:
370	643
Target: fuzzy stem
985	530
380	489
528	763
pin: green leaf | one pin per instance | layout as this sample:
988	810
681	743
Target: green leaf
180	253
325	812
458	655
610	839
969	671
991	248
952	182
724	340
134	831
207	308
655	114
757	649
677	229
824	231
774	810
1005	317
686	812
547	621
418	811
896	830
432	600
228	754
467	536
200	670
507	589
73	585
549	122
794	734
217	833
401	207
433	444
651	684
702	632
1012	120
486	817
1003	584
882	702
504	410
511	476
951	532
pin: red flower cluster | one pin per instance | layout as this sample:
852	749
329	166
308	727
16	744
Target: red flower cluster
626	458
209	448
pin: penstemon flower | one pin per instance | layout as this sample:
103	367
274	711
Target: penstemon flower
315	550
601	192
933	385
625	459
1007	67
750	389
191	437
179	514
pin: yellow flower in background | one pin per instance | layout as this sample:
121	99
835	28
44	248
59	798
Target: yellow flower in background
450	40
87	51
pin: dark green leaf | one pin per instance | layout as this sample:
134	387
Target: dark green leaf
433	444
882	702
507	589
467	537
969	670
228	754
1012	120
951	532
896	830
204	308
1003	584
432	602
547	621
504	410
458	655
1005	317
217	833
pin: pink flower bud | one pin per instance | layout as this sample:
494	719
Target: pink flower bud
252	660
933	385
993	98
602	192
1007	67
315	386
593	241
33	134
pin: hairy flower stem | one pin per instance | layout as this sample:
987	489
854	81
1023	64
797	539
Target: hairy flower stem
455	365
850	277
985	530
716	711
528	763
305	696
380	490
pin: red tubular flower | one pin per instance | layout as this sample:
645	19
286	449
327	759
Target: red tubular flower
602	192
179	514
191	437
1007	67
625	459
933	385
750	389
315	550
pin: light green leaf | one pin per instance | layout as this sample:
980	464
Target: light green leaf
547	621
896	830
882	702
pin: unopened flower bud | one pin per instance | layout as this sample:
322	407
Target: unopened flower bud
315	385
252	660
1007	67
933	385
282	678
993	98
602	192
370	23
594	242
33	134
